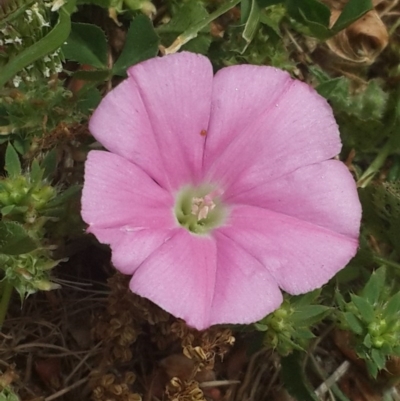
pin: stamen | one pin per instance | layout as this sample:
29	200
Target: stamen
202	206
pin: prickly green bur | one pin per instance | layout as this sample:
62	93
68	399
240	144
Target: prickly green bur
372	317
289	327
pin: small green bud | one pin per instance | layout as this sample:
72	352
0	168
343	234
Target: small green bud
391	339
378	342
377	328
272	339
46	285
4	198
277	324
281	313
42	195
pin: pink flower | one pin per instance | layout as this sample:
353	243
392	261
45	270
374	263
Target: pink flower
217	192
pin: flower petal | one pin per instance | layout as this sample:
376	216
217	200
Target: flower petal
136	246
241	94
244	289
176	91
118	193
180	276
121	124
295	130
324	194
299	255
131	248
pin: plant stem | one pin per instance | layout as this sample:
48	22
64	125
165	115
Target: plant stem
5	300
374	167
386	262
192	32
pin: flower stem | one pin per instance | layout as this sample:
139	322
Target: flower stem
374	167
386	262
192	32
5	300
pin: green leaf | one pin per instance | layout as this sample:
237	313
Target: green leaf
36	172
261	327
304	334
383	216
51	42
294	379
199	26
352	11
49	164
267	3
340	299
93	75
272	18
309	312
392	308
245	7
371	367
361	115
252	23
330	87
14	239
305	299
86	44
200	44
141	44
367	341
7	209
313	14
12	162
374	286
13	209
188	16
364	307
100	3
63	197
88	99
379	358
353	323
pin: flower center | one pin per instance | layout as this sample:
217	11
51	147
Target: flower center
199	209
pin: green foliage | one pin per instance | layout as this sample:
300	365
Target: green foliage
29	272
86	44
37	213
373	319
38	45
252	22
381	205
15	239
124	7
36	109
185	17
294	379
315	16
290	326
13	165
361	115
28	203
8	394
266	46
141	44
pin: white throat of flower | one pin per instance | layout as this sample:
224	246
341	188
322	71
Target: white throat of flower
200	209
